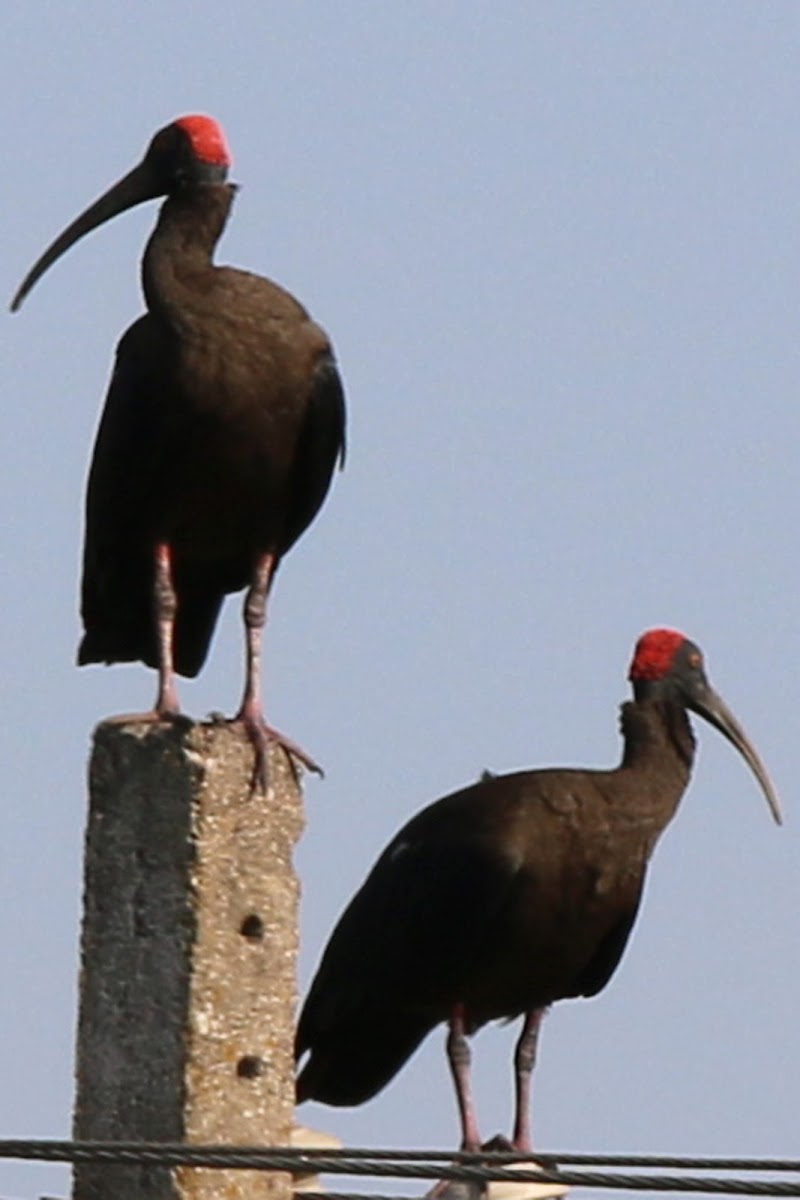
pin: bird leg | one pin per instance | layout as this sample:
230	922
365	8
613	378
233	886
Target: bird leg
458	1055
251	713
165	603
460	1058
524	1062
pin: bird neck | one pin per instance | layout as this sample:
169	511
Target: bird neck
181	249
659	746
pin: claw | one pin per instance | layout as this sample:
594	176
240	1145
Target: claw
260	735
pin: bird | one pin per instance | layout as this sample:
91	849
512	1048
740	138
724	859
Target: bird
506	896
222	428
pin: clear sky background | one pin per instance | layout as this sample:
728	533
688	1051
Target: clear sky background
556	246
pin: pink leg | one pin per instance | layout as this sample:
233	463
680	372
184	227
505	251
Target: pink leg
459	1058
251	713
524	1062
166	606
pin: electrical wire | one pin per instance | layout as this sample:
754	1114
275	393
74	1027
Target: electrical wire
476	1169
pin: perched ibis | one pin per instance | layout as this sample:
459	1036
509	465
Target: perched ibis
501	898
223	424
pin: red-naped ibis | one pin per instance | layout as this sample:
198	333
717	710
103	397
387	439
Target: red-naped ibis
224	421
506	896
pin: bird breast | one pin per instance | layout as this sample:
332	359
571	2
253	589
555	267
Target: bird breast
573	887
233	409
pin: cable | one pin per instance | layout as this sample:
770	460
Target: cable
553	1158
478	1168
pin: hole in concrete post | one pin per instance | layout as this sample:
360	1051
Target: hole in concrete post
252	927
250	1066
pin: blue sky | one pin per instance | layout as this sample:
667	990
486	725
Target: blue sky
556	247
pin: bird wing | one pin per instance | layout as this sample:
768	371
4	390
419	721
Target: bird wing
394	964
116	587
321	443
406	937
606	957
130	463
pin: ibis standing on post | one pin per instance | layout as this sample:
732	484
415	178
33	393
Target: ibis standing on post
504	897
222	427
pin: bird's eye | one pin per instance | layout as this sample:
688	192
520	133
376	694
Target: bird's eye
696	661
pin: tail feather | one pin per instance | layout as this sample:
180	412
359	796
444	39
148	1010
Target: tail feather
121	627
355	1061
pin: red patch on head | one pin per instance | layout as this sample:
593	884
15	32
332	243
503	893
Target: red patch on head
207	138
655	652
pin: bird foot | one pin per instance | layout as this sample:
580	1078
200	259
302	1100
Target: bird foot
260	735
459	1189
524	1189
499	1143
152	717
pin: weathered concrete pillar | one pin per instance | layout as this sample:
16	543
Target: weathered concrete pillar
188	986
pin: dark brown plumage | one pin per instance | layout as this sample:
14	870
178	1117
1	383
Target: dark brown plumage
222	427
504	897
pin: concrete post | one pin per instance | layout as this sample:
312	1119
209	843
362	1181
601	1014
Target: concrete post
188	987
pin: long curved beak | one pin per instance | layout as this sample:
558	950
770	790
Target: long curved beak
138	185
708	704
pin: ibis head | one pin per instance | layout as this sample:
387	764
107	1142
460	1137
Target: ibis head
667	665
189	152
